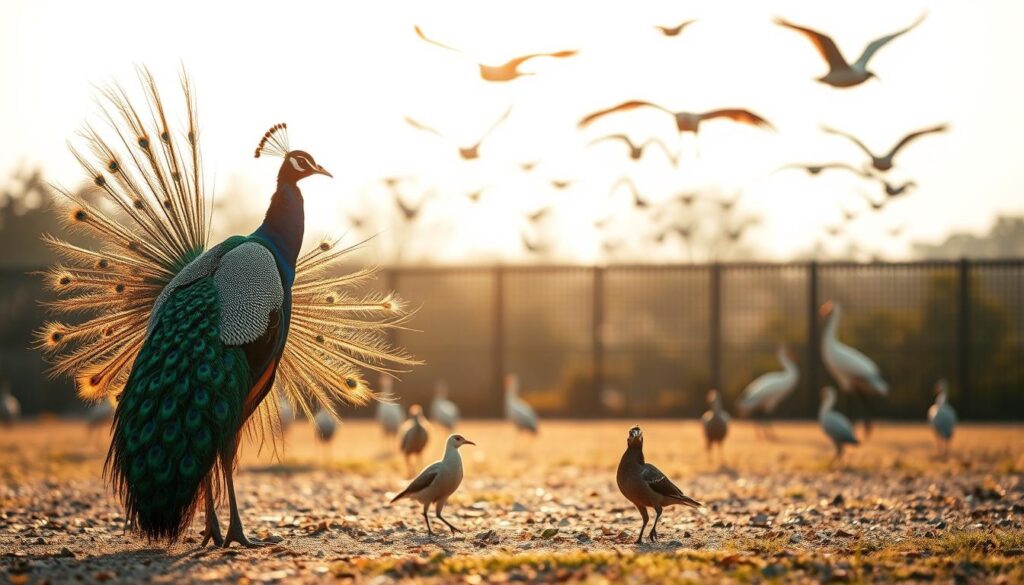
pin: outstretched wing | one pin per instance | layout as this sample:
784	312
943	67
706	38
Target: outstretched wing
873	47
250	289
673	157
516	62
420	126
913	135
420	34
738	115
849	137
825	45
621	137
623	107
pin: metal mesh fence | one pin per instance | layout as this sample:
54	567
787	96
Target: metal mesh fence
643	341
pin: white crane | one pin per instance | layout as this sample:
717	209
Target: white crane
10	408
324	425
520	413
942	417
836	426
390	414
443	411
765	392
853	371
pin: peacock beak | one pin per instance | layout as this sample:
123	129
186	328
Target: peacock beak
323	171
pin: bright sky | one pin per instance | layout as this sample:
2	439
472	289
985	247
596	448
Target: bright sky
343	75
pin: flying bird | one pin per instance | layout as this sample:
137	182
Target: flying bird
673	31
638	201
893	190
636	151
529	165
841	73
437	482
817	169
192	340
561	184
471	152
506	71
409	212
685	121
475	195
538	215
884	162
645	486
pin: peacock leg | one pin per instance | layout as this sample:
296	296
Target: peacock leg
212	530
235	531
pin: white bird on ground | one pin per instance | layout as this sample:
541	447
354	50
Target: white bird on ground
442	410
764	394
716	423
437	482
841	73
942	417
99	415
836	426
10	408
516	410
285	413
414	437
324	425
853	370
390	415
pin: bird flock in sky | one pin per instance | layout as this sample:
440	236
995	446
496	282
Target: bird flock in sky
672	216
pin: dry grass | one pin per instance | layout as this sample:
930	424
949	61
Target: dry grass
548	510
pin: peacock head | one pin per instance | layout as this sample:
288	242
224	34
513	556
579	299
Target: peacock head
297	165
635	438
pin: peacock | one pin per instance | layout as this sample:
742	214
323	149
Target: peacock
190	339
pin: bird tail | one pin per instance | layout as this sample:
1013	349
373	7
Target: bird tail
400	495
181	407
687	501
157	225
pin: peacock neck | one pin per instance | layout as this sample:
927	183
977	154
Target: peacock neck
285	222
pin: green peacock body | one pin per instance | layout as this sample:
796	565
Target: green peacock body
192	341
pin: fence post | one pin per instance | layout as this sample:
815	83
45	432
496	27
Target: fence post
813	343
597	337
498	345
963	354
715	341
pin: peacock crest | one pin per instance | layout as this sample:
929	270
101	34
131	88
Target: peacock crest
154	220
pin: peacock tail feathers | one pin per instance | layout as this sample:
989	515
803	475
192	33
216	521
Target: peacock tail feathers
153	218
181	407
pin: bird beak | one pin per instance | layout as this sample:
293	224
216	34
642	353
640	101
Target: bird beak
468	442
323	171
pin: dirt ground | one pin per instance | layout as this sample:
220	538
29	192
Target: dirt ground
545	510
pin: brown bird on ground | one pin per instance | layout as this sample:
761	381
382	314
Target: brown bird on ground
645	486
506	71
885	162
715	422
673	31
685	121
636	151
414	437
841	73
471	152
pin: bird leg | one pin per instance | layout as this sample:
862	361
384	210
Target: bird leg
643	514
235	531
653	536
212	530
437	510
866	404
426	519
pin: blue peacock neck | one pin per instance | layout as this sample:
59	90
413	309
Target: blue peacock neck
284	223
